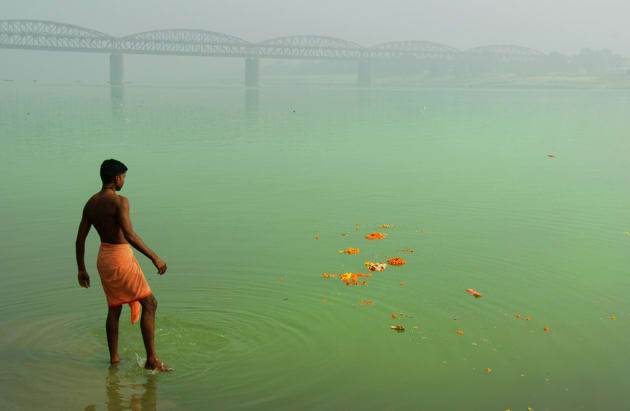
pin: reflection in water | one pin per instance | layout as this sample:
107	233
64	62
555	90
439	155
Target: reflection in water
364	99
141	396
251	102
117	95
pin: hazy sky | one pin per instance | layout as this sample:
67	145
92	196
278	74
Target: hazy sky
545	25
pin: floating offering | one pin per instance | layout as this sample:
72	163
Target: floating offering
280	278
394	315
377	267
518	316
551	155
546	329
460	332
317	237
349	278
396	261
477	294
409	250
368	302
349	251
386	226
402	283
527	319
612	317
397	327
344	234
375	236
488	369
324	300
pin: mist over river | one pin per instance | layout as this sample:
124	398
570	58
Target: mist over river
519	194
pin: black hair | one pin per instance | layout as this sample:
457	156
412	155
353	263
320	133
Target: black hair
110	169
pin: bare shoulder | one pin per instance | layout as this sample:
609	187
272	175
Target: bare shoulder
90	202
122	202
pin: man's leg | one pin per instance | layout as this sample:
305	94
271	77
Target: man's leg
147	325
111	326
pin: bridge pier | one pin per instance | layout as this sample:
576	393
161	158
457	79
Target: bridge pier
116	70
364	78
251	72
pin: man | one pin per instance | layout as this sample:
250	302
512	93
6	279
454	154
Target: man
121	276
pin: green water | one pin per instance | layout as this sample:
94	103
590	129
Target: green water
230	189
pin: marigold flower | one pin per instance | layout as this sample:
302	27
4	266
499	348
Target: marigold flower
375	236
396	261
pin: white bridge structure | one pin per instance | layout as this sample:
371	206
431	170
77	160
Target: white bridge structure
54	36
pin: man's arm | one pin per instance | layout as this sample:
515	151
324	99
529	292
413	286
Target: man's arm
134	239
84	229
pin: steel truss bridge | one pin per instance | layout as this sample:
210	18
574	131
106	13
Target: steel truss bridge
54	36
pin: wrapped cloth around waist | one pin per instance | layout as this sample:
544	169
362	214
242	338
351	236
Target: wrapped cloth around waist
122	278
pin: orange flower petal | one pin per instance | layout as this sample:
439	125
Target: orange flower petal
375	236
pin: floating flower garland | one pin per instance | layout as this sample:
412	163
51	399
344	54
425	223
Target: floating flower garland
375	236
349	278
349	251
396	261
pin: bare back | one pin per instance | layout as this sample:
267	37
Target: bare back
102	211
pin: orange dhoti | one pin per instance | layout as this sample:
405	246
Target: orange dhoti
122	277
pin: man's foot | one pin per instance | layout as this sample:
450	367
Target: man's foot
157	365
114	360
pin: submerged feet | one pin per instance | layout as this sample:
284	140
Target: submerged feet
157	365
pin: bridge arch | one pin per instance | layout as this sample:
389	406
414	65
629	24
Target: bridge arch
310	46
414	49
199	36
50	35
506	50
185	41
48	27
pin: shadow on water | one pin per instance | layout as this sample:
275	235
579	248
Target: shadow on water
124	396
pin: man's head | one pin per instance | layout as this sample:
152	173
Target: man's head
113	171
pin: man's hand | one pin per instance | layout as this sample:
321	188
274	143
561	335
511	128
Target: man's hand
160	265
84	279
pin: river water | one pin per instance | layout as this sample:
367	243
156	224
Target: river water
232	187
